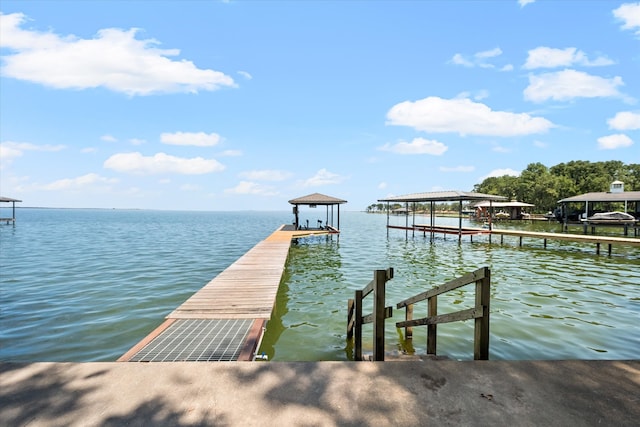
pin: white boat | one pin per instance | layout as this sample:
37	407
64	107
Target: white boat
611	218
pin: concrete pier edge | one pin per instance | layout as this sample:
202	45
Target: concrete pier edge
410	393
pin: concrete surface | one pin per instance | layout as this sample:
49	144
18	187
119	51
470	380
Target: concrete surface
417	393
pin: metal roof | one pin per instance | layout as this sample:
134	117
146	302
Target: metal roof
485	203
625	196
8	199
442	196
316	199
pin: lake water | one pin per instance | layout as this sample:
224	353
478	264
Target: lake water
86	285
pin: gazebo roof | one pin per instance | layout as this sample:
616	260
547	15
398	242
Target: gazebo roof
625	196
442	196
317	199
8	199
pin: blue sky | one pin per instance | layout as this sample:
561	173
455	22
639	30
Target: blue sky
234	105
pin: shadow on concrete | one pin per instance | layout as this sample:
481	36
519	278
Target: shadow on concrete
550	393
54	394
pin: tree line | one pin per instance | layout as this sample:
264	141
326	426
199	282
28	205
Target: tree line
543	186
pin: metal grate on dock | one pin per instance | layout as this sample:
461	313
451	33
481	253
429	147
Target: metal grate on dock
194	340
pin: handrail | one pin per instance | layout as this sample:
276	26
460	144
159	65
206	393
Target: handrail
355	319
480	312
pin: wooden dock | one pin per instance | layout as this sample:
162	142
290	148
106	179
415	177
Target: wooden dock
472	231
225	320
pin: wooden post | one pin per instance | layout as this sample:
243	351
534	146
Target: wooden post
358	326
481	329
350	320
460	221
408	315
432	330
380	278
609	249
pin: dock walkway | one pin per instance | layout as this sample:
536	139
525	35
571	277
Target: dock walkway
225	320
473	231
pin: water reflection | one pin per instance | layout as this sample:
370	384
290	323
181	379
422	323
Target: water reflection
555	303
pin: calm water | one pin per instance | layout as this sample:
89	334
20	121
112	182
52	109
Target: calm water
86	285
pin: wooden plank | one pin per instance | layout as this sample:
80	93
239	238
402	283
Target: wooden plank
453	284
471	313
570	237
246	289
369	318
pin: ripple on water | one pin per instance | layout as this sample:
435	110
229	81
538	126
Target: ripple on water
86	285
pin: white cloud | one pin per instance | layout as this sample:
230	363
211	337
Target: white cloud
10	150
84	181
161	163
625	120
465	117
492	53
8	153
247	187
417	146
458	59
629	14
323	177
568	84
500	172
108	138
266	175
137	141
612	142
382	185
457	169
478	59
523	3
197	139
245	75
547	57
113	59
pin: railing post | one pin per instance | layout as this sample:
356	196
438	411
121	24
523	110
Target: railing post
357	304
432	330
350	320
380	278
408	315
481	330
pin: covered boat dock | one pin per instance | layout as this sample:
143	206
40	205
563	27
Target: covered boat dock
13	202
313	201
601	202
439	196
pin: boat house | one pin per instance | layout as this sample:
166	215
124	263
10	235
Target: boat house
507	210
13	202
573	209
432	198
313	201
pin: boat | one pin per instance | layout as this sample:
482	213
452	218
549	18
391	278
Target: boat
611	218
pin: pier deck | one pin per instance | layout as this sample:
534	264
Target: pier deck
473	231
224	320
